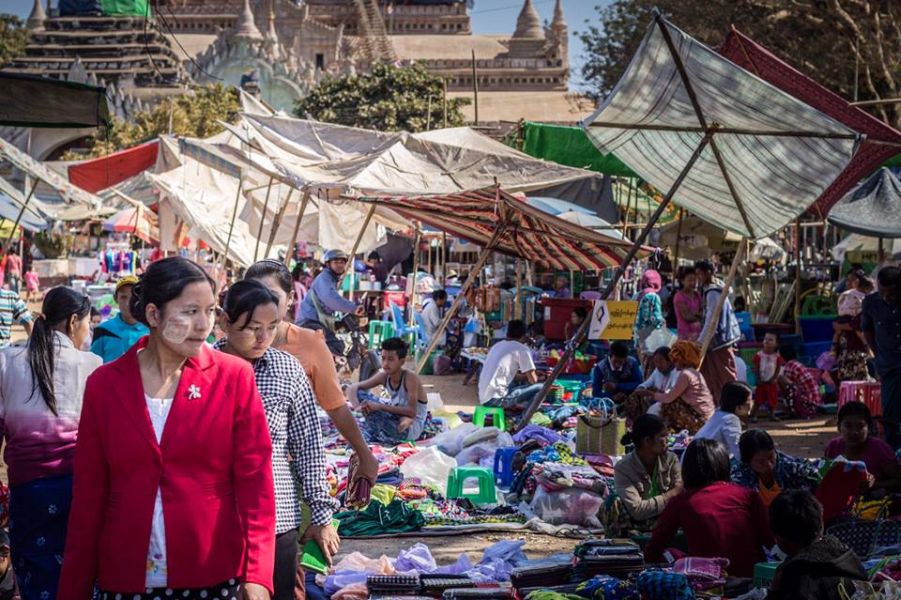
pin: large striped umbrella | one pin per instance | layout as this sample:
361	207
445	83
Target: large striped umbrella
499	221
136	220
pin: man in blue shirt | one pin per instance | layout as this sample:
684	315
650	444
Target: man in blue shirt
115	336
317	311
880	320
616	376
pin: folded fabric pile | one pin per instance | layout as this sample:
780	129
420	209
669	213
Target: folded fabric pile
702	573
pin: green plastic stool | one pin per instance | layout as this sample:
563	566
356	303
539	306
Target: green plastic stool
497	417
379	331
458	476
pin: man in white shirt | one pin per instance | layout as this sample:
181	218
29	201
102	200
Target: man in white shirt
432	313
663	378
505	360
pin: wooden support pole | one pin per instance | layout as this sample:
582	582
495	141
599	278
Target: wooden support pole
278	221
353	251
444	99
678	243
417	239
797	311
455	306
12	232
730	279
256	246
231	226
294	234
475	87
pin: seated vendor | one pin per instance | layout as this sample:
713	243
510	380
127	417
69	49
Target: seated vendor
616	376
719	518
507	360
402	417
432	315
688	404
855	443
645	480
762	468
799	386
661	380
578	316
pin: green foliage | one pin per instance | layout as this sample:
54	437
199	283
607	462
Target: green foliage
389	98
824	40
13	37
193	115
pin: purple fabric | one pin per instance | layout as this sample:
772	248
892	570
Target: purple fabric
536	432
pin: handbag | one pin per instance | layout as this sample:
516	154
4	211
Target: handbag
600	433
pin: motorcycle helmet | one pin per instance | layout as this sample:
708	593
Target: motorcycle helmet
331	255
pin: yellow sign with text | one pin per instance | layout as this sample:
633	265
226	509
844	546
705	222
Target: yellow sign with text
613	320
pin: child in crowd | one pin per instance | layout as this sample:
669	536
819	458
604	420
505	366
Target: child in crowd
725	424
402	417
32	286
767	364
855	443
850	302
618	375
816	564
662	379
96	319
798	384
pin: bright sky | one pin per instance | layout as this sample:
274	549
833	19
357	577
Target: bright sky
488	16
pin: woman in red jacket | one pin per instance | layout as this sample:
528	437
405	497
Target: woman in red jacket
173	491
720	519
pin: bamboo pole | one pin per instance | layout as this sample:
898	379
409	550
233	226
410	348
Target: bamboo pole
475	87
797	315
417	240
303	207
231	226
256	246
278	221
356	246
708	336
517	299
678	243
455	306
617	275
12	231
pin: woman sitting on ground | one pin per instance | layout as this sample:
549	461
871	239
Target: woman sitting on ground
725	424
689	404
645	480
855	443
719	518
764	469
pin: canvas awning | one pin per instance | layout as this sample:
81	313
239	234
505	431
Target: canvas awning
496	219
739	152
882	141
100	173
31	101
873	208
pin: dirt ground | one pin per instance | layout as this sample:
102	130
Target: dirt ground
799	438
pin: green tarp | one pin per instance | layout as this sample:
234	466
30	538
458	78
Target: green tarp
571	147
131	8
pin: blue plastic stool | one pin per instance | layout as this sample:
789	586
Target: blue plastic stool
497	417
458	476
503	466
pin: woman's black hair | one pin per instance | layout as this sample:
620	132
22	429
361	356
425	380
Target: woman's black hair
163	282
788	352
581	312
753	441
855	409
243	298
706	461
59	305
663	352
735	393
646	426
271	268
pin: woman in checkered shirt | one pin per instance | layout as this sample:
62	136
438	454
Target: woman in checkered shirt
250	320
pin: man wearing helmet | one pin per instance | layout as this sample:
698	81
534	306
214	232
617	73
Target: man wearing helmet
317	311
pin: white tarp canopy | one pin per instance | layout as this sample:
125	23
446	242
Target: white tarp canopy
363	162
765	156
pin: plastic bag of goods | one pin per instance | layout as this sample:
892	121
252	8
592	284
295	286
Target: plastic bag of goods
572	506
431	466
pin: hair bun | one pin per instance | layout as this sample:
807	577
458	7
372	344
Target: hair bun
627	439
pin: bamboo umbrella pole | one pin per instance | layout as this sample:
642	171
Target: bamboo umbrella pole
278	221
303	207
256	246
730	279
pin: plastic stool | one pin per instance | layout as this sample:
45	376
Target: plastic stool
497	417
379	331
458	476
503	466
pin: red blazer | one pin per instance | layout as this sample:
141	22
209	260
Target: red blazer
213	467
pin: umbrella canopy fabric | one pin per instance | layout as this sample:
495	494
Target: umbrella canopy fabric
100	173
881	143
555	206
872	208
526	231
697	239
749	157
10	209
591	222
136	220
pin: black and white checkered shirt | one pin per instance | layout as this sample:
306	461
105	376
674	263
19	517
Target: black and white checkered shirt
296	440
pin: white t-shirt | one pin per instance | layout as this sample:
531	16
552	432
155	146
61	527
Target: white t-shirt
504	361
157	575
